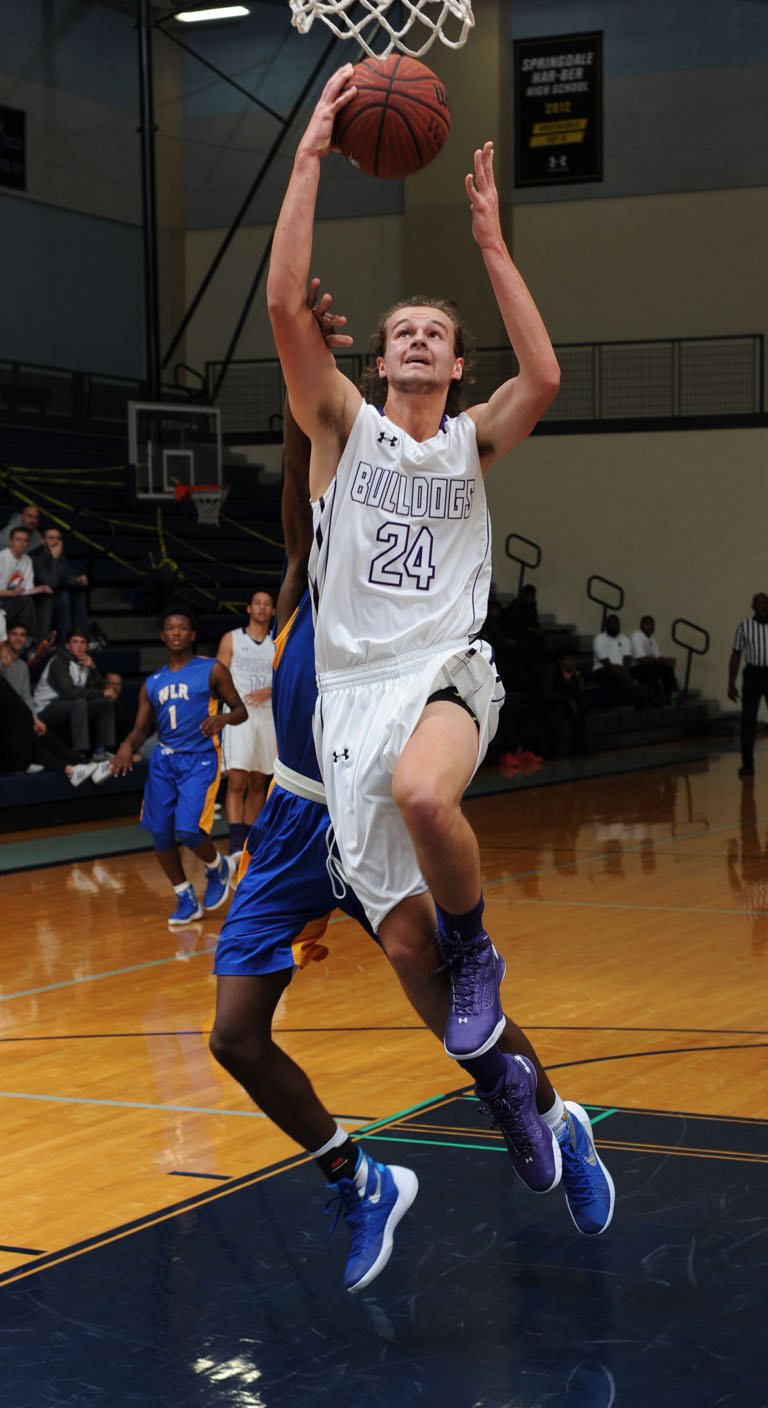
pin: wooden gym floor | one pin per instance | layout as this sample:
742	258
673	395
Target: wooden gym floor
162	1243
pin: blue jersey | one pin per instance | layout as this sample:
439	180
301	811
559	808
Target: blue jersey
181	699
294	691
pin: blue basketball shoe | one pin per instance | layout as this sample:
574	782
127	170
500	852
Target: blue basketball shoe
372	1214
589	1190
219	880
475	1019
187	908
533	1148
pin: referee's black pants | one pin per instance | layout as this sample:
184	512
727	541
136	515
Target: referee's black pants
754	687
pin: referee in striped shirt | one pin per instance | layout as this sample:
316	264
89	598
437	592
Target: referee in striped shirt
751	638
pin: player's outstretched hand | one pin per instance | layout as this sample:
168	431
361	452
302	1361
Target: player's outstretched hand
318	137
330	324
483	197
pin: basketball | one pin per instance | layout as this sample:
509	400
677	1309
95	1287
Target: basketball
397	121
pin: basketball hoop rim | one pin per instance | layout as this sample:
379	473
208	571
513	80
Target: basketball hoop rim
189	491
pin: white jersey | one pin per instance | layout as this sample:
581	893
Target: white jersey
251	665
401	556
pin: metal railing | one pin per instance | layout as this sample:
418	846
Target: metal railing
57	397
634	385
515	556
691	648
606	604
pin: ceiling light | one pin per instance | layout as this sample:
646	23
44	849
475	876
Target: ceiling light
224	12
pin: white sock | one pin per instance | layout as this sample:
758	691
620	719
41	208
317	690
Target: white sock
214	864
556	1118
340	1137
182	888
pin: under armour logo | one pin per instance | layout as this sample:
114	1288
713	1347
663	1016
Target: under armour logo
343	754
391	439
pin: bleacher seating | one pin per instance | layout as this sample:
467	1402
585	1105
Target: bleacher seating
138	553
115	538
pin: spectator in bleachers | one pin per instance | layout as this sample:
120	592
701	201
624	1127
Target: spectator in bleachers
503	646
17	582
72	694
650	667
66	607
28	517
26	744
612	661
562	701
14	666
520	622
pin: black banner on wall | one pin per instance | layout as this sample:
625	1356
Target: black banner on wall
13	160
558	109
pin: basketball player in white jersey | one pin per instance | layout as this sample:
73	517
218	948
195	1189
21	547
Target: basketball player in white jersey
400	572
249	752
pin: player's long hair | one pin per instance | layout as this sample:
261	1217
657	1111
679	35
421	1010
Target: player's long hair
375	387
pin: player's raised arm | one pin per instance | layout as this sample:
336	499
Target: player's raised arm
324	401
143	725
515	407
295	508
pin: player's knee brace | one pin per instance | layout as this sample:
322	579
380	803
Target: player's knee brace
192	839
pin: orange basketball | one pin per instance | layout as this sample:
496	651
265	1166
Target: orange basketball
397	121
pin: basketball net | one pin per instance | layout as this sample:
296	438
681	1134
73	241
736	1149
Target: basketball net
421	23
207	498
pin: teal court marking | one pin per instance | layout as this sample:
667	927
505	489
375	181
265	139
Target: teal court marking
458	1143
147	1105
411	1110
128	1104
441	1143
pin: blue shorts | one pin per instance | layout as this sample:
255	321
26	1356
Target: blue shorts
286	887
180	791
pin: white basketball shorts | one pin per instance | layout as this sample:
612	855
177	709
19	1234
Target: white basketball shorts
363	720
251	746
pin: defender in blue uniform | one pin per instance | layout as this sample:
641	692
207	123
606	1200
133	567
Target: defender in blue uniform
286	896
180	701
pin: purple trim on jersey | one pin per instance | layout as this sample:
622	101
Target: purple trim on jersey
482	564
317	585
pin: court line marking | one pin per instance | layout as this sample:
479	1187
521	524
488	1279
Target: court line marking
198	1200
146	1105
627	1146
491	884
